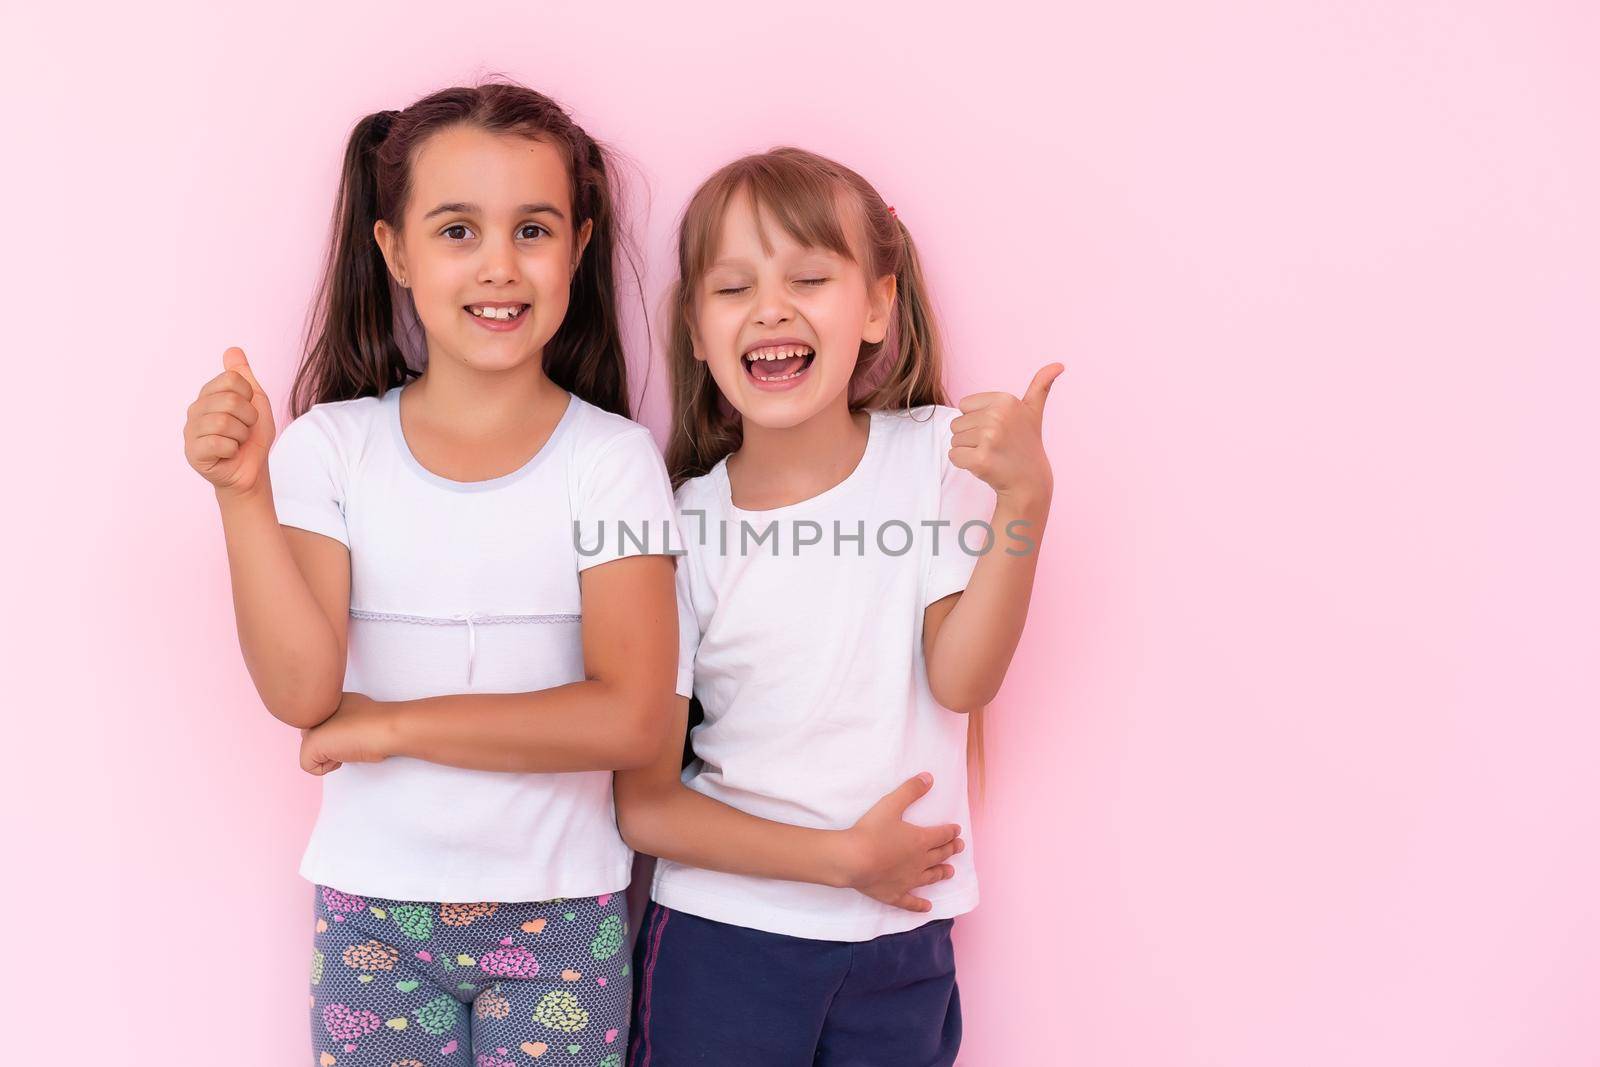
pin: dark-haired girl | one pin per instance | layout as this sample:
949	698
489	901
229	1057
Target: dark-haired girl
430	583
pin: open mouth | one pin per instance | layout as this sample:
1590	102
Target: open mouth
498	316
778	363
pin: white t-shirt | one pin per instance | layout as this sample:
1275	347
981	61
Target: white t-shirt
467	587
805	650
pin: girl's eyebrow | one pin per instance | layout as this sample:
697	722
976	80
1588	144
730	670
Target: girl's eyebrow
469	209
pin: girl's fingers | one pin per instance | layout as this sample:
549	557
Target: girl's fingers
979	401
911	903
971	438
229	381
225	403
983	417
935	836
965	458
237	406
213	446
319	765
936	874
222	425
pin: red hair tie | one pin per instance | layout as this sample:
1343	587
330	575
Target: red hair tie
891	211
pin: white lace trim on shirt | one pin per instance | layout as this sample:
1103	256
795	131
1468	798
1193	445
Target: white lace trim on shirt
472	620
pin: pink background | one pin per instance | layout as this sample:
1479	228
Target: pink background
1296	763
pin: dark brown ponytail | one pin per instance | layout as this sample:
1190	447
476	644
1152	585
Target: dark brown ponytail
352	350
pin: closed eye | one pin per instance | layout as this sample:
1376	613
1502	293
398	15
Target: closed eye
813	281
732	290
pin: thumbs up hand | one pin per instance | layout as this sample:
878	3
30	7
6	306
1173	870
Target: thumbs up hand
998	438
229	428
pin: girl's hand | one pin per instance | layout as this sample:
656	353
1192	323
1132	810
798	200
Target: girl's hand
358	732
997	438
887	857
230	428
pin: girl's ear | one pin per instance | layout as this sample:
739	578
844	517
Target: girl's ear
389	244
585	232
695	348
673	299
880	308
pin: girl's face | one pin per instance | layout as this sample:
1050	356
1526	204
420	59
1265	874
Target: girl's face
487	246
780	327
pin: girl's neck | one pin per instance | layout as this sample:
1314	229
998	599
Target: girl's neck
778	467
483	403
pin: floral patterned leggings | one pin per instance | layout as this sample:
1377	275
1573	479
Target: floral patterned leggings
405	983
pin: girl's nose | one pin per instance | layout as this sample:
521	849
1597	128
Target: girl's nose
499	263
772	309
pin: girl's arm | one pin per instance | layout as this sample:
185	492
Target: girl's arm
291	602
881	855
968	638
291	588
616	717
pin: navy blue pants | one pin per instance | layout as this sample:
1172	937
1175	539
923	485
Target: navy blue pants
707	992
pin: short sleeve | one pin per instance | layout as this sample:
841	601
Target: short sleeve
308	478
625	503
688	627
964	499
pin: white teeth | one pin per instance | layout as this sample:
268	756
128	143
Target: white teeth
495	313
780	352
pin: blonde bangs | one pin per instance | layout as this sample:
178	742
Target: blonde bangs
804	199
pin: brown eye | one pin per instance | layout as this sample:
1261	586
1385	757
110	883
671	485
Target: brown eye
449	230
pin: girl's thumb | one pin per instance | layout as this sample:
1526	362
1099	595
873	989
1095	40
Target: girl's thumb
233	359
913	788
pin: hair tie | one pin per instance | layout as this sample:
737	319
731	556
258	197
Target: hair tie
892	211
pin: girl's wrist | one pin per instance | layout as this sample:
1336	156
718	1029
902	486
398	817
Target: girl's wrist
255	498
1031	504
393	721
840	858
